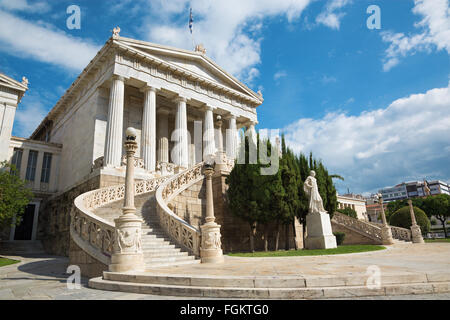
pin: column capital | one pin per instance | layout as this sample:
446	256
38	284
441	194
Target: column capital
118	77
229	116
148	88
207	107
180	99
162	110
251	123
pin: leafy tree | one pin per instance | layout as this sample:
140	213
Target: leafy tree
402	218
439	207
14	195
349	212
242	194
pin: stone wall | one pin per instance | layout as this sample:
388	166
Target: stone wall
351	237
89	266
54	215
190	205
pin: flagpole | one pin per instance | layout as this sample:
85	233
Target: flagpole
191	27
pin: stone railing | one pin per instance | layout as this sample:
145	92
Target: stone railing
179	230
397	232
92	233
100	162
138	162
401	233
360	226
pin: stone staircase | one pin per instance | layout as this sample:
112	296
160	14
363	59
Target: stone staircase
158	248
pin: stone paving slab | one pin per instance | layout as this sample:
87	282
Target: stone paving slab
44	277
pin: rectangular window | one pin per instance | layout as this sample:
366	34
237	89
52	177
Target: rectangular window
31	167
17	158
46	166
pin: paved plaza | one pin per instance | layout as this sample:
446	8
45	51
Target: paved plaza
44	277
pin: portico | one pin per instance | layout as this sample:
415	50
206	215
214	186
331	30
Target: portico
180	99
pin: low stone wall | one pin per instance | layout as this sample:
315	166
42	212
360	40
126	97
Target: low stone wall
89	266
190	205
351	236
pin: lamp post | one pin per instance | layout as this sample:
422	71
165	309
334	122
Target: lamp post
386	232
416	233
127	253
210	250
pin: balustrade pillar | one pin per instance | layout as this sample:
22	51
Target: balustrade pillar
386	232
416	232
149	129
114	128
210	250
127	251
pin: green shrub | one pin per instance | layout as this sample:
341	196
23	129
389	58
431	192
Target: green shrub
402	218
340	236
349	212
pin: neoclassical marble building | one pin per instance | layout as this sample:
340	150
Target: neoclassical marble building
183	107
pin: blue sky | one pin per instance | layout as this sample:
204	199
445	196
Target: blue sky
373	104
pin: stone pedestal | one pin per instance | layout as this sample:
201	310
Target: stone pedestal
319	232
386	235
128	255
210	250
416	234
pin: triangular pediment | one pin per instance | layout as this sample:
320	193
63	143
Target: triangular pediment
193	62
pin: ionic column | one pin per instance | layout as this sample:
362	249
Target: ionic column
252	130
181	151
149	129
231	137
208	133
163	134
114	129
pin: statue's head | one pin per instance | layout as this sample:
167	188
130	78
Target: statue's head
312	173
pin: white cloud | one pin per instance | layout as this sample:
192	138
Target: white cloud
435	33
331	16
23	5
328	79
230	30
408	140
44	43
279	74
29	114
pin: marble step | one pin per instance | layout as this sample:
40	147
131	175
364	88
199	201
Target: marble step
170	264
152	254
167	259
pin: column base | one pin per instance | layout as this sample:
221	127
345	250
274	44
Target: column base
386	235
128	255
416	234
211	251
319	232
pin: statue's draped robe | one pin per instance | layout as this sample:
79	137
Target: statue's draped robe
315	200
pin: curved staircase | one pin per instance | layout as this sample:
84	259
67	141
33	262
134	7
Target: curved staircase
158	248
166	238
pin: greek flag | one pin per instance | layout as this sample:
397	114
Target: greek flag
191	21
